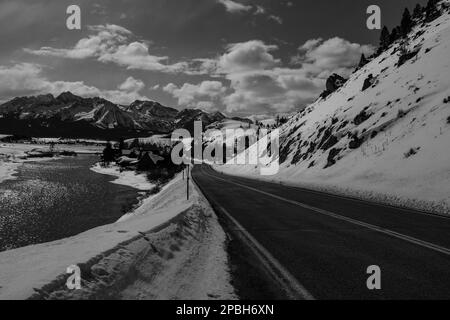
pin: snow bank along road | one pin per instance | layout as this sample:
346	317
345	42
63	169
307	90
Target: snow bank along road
168	248
323	244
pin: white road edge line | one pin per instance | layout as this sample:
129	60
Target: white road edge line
343	197
391	233
289	283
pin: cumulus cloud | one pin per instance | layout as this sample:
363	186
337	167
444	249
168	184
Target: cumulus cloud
259	85
333	55
106	39
257	80
269	91
200	95
132	85
115	44
28	79
234	7
22	78
247	56
135	56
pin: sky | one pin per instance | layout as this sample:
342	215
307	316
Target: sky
240	57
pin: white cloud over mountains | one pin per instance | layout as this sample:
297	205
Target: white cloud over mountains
258	83
248	76
115	44
203	95
333	55
106	39
132	85
28	79
247	56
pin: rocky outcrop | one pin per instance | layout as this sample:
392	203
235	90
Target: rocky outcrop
334	82
368	82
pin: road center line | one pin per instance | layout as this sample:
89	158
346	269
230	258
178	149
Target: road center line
391	233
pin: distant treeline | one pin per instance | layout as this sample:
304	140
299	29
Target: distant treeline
59	129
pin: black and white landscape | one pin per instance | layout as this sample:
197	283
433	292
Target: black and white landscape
358	208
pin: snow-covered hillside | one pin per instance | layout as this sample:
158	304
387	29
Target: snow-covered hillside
228	129
385	134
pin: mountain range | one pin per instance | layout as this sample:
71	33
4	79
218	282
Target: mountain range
71	116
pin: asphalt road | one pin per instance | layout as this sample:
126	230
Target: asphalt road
327	242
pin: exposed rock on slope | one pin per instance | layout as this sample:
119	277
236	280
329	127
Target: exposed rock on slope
333	83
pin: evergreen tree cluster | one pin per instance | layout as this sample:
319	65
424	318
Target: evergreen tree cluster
420	14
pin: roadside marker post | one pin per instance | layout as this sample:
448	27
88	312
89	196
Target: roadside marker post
187	182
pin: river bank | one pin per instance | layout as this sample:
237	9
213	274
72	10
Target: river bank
12	155
178	245
49	200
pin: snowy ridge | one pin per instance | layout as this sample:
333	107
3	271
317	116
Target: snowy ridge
385	134
234	128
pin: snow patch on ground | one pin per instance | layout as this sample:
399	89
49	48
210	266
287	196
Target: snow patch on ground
127	178
183	259
12	155
8	170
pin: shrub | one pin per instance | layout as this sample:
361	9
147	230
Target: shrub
163	174
405	56
361	117
411	152
355	142
401	113
331	160
155	190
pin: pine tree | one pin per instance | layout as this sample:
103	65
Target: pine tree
384	38
121	146
406	24
108	154
418	11
395	35
431	10
363	61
